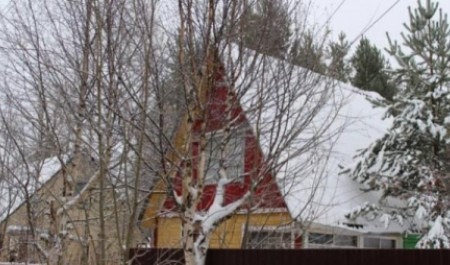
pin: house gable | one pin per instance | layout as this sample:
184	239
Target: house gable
266	194
315	193
34	218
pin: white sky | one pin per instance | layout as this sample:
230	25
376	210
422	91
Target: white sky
354	15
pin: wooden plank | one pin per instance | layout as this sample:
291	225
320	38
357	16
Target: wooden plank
303	256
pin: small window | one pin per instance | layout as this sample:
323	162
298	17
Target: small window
376	242
79	186
233	155
321	240
269	240
344	240
22	245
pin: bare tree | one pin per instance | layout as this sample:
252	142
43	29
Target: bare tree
152	97
287	109
70	71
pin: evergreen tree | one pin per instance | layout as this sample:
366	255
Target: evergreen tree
308	53
337	51
265	27
411	161
370	70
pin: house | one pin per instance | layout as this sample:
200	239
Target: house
26	218
57	215
301	202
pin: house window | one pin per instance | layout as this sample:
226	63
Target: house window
22	245
79	186
233	155
269	240
320	240
377	242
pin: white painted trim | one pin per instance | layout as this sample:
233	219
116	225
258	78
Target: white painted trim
271	228
329	229
398	240
360	237
170	214
306	241
263	211
281	228
14	230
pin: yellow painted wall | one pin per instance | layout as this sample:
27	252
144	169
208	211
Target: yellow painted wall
152	209
227	235
116	219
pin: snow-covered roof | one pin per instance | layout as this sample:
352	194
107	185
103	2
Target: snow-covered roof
12	190
329	197
280	98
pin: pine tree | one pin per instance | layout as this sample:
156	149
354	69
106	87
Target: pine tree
308	53
411	161
337	51
265	27
370	70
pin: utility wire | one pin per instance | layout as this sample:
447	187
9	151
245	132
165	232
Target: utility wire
375	22
372	18
332	14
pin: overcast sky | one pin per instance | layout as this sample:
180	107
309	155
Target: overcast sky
355	15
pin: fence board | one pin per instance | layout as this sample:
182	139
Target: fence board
296	257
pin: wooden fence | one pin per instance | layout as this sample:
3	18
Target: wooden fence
297	257
17	263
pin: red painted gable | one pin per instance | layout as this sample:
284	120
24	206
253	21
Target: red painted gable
267	194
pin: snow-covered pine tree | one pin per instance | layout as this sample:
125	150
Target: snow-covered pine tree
411	161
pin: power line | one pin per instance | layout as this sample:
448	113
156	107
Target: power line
375	22
372	18
332	14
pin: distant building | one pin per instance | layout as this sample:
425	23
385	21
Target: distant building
60	217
